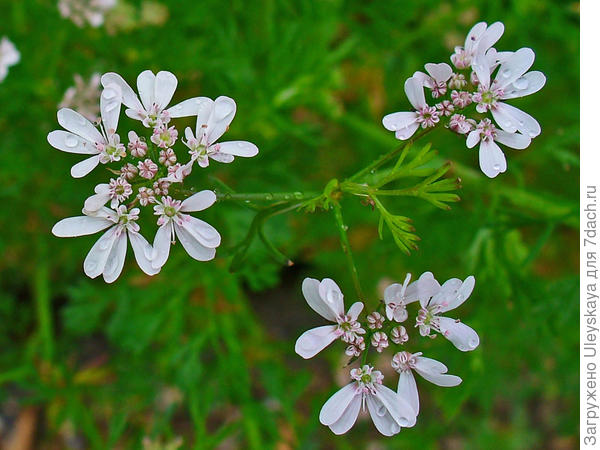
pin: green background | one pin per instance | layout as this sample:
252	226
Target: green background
206	354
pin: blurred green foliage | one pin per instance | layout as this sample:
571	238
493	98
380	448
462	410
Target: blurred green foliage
206	354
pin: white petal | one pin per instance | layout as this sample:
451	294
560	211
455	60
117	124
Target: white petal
447	293
95	261
440	72
424	79
222	157
399	408
201	232
427	286
162	246
430	370
461	294
204	111
491	159
313	341
528	84
222	114
116	259
199	201
191	245
75	123
238	148
355	310
332	295
84	167
399	120
189	107
71	143
474	35
414	92
164	88
333	408
407	389
512	119
96	201
145	85
110	107
348	418
490	36
429	365
515	66
129	98
383	420
142	251
513	140
80	226
405	133
473	138
462	336
310	290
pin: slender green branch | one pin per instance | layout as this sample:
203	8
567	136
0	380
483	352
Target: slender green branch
266	196
337	210
43	310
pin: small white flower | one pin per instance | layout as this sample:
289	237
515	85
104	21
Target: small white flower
84	97
436	78
430	369
326	298
480	38
388	410
155	93
198	238
107	256
397	296
83	137
82	11
451	294
117	191
9	56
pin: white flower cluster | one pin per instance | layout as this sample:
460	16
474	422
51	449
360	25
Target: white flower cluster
146	170
390	410
465	98
9	56
81	12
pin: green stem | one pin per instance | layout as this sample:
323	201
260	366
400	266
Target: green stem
266	196
337	209
42	302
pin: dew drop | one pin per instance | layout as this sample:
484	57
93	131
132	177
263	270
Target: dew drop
532	133
71	142
473	343
269	197
460	298
496	166
345	227
111	106
298	195
109	93
395	428
240	144
506	73
287	197
149	252
91	266
381	410
521	83
521	123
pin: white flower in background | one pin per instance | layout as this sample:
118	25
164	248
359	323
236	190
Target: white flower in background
107	256
404	124
84	138
82	11
436	78
117	191
491	158
430	369
213	120
155	93
84	97
480	39
511	81
327	300
388	410
9	56
451	295
198	238
397	296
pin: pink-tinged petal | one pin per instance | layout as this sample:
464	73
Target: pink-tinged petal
407	389
398	408
116	259
512	119
75	123
424	79
192	246
348	418
490	36
95	261
473	138
84	167
462	336
515	66
80	226
310	290
435	372
223	113
142	251
427	287
313	341
71	143
439	72
201	232
355	310
199	201
110	107
129	97
238	148
189	107
528	84
338	403
406	133
474	35
332	296
399	120
491	159
135	114
145	85
447	293
165	84
383	420
96	201
517	141
460	295
162	246
204	113
414	92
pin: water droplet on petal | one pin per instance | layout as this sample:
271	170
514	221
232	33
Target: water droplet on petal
496	166
71	141
381	410
395	428
532	133
109	93
112	106
506	73
240	144
473	343
521	83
